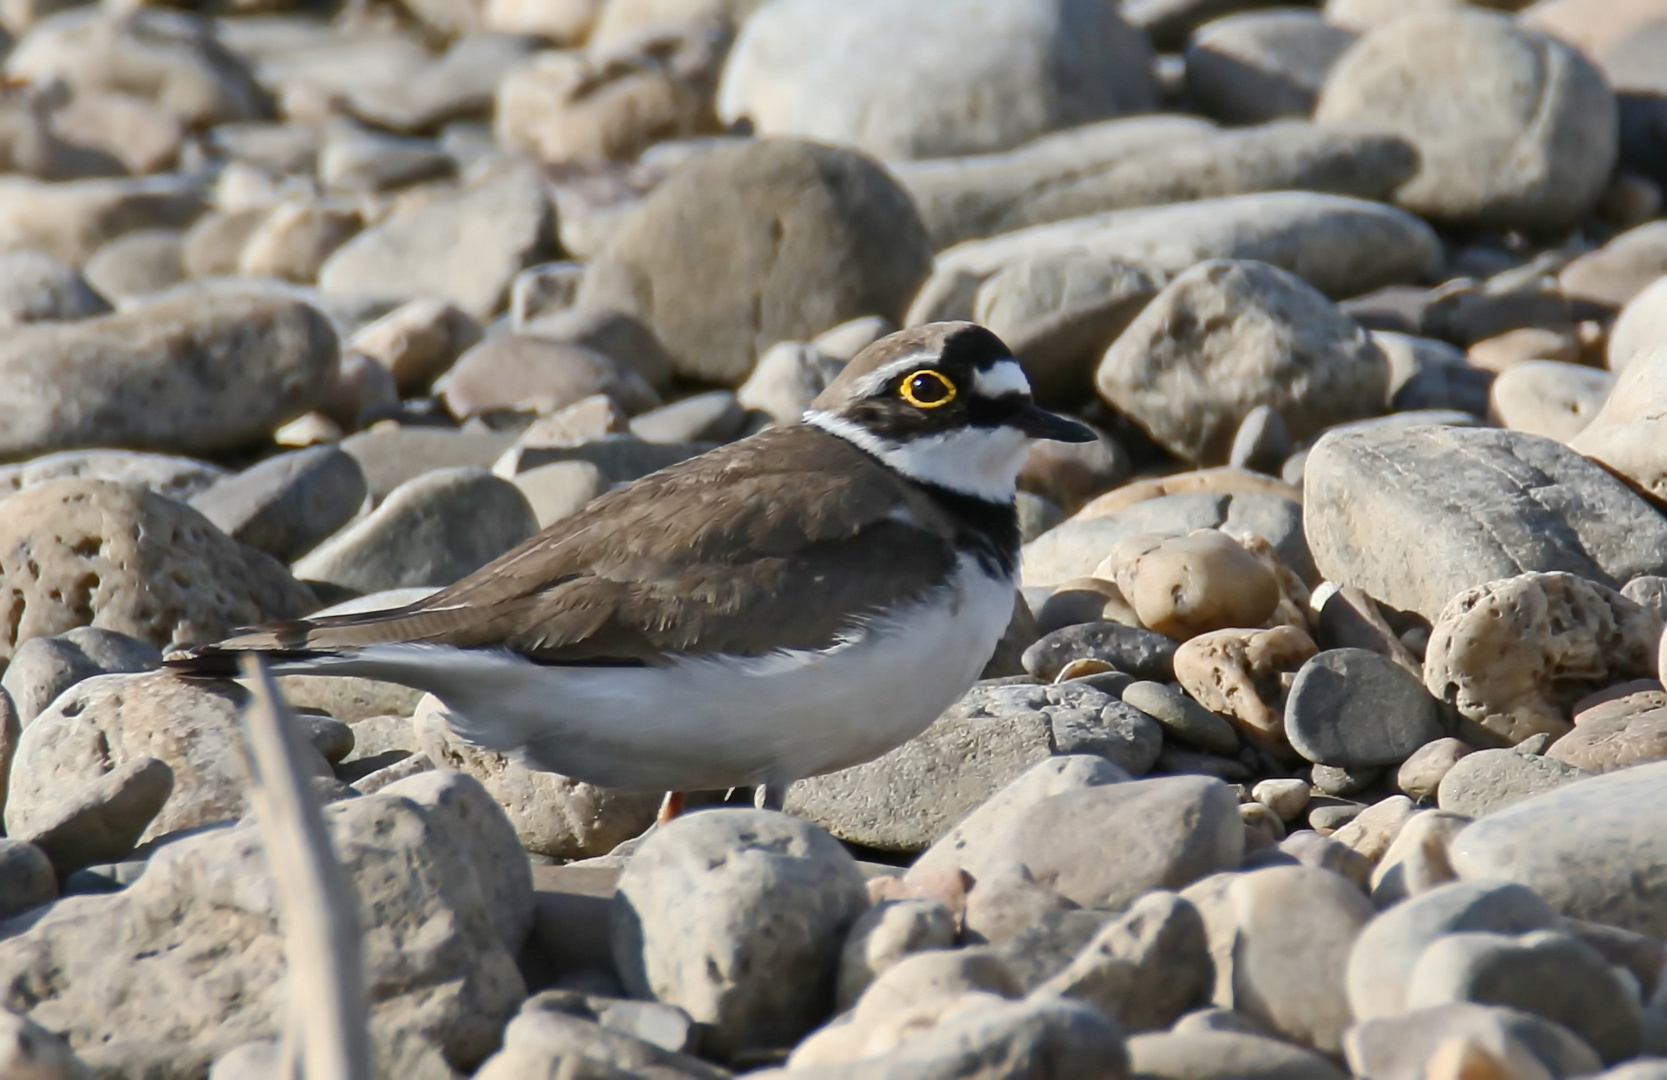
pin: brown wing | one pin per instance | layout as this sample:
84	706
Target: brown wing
780	540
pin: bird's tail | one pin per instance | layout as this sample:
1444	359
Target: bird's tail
326	645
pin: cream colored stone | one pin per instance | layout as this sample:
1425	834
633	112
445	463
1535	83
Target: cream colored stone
1374	829
567	106
909	999
1548	397
1629	434
1224	671
1416	860
1640	328
293	240
417	341
1420	775
1227	478
565	22
1514	655
1503	352
884	935
1183	586
1295	599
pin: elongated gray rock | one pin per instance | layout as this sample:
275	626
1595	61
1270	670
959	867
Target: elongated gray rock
1595	849
1341	246
466	247
930	78
1416	515
431	531
190	375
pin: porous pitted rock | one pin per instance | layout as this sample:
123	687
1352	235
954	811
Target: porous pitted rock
187	963
194	374
175	477
94	553
933	78
747	246
1227	336
1515	655
737	916
1236	673
1513	128
110	720
1416	515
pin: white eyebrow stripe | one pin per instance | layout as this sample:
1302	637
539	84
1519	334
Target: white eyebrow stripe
1001	378
876	380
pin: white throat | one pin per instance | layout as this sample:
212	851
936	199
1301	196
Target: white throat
981	462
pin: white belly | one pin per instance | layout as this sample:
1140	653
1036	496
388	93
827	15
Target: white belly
716	723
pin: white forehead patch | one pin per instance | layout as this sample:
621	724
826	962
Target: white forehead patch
1001	378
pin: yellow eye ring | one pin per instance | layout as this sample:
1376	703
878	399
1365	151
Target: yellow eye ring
927	389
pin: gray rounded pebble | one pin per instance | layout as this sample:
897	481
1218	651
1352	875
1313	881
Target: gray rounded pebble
1183	718
1355	708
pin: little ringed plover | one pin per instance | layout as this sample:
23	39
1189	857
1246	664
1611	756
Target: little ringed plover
790	604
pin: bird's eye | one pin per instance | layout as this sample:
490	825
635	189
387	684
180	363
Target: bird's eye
927	389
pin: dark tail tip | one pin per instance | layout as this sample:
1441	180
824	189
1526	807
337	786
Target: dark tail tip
206	662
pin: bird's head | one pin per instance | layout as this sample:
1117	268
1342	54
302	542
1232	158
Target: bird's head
944	403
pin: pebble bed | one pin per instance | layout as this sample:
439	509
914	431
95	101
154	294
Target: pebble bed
1329	736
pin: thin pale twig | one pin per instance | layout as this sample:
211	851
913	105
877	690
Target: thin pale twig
320	913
